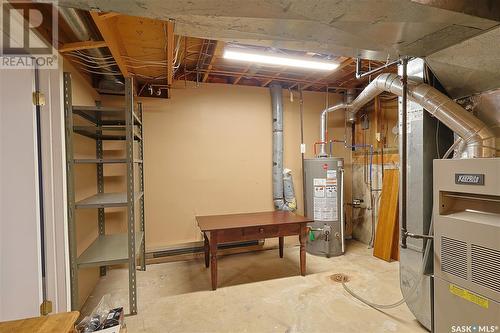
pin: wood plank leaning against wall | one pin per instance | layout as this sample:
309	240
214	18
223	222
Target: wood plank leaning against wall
208	151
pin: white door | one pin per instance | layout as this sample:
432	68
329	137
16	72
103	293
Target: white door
20	246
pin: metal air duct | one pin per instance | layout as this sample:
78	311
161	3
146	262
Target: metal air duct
479	140
79	25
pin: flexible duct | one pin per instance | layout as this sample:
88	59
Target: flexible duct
283	190
289	191
277	107
480	141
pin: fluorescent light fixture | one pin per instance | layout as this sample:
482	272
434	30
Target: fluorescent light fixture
277	59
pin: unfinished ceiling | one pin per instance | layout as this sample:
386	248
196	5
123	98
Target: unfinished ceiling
107	46
158	42
346	28
201	60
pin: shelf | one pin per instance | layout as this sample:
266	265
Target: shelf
103	200
121	158
108	115
117	132
103	160
109	250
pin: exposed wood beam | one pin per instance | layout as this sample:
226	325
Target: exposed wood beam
217	51
170	52
277	75
90	44
345	63
111	41
238	78
108	15
256	76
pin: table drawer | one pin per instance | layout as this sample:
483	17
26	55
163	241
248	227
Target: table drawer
230	235
261	232
258	232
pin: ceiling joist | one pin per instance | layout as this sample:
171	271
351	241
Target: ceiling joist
329	76
170	52
239	77
108	15
103	24
219	46
86	45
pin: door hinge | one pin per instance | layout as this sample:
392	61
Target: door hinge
38	98
45	308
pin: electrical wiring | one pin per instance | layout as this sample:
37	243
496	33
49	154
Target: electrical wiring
105	67
100	73
91	60
93	57
150	77
176	50
104	64
95	66
134	60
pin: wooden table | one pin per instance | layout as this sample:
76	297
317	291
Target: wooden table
56	323
251	226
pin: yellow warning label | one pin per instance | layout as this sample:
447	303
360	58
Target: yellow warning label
469	296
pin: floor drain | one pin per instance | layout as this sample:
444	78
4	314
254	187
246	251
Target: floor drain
339	277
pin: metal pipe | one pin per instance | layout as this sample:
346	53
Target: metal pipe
323	127
417	236
404	152
349	98
360	75
277	107
480	141
302	146
79	24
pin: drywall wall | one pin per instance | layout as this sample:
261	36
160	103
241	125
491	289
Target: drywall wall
208	151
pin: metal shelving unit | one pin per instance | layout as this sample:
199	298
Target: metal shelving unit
107	123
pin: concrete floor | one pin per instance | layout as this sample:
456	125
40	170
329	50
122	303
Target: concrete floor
259	292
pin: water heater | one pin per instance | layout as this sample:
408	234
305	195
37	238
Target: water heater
324	203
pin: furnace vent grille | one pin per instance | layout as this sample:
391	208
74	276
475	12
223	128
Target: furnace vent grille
485	264
454	257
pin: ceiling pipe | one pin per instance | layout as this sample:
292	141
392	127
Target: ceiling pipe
79	25
480	141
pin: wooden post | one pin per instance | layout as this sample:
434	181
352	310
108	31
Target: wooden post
281	242
303	239
213	257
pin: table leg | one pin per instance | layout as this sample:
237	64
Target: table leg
213	257
206	247
303	239
281	240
